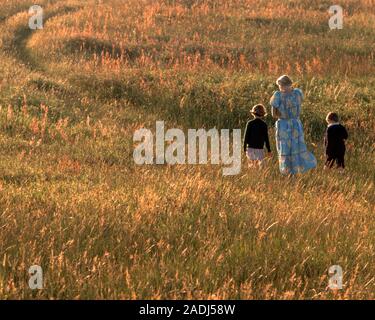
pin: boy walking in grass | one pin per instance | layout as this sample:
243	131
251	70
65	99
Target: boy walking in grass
256	136
334	141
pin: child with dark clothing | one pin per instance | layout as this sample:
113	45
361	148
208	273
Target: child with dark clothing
334	141
256	136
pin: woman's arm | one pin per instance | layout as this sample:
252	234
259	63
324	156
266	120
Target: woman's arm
275	113
267	139
275	102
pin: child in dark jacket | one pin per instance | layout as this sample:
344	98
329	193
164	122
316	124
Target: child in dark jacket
334	141
256	136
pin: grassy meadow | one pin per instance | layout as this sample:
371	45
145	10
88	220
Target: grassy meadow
73	201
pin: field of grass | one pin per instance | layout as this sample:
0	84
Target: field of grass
73	201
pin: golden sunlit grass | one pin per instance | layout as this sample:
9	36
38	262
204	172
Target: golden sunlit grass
73	201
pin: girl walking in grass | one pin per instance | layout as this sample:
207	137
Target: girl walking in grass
286	107
256	136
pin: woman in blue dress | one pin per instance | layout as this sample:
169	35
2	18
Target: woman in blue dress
286	107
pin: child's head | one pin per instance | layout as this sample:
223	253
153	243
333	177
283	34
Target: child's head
332	117
259	111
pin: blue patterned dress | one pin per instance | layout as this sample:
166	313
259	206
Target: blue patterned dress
290	143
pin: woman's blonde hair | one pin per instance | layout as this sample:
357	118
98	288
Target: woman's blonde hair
284	80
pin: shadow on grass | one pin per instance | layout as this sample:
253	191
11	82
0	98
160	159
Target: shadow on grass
91	46
46	85
18	45
284	24
110	89
23	178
